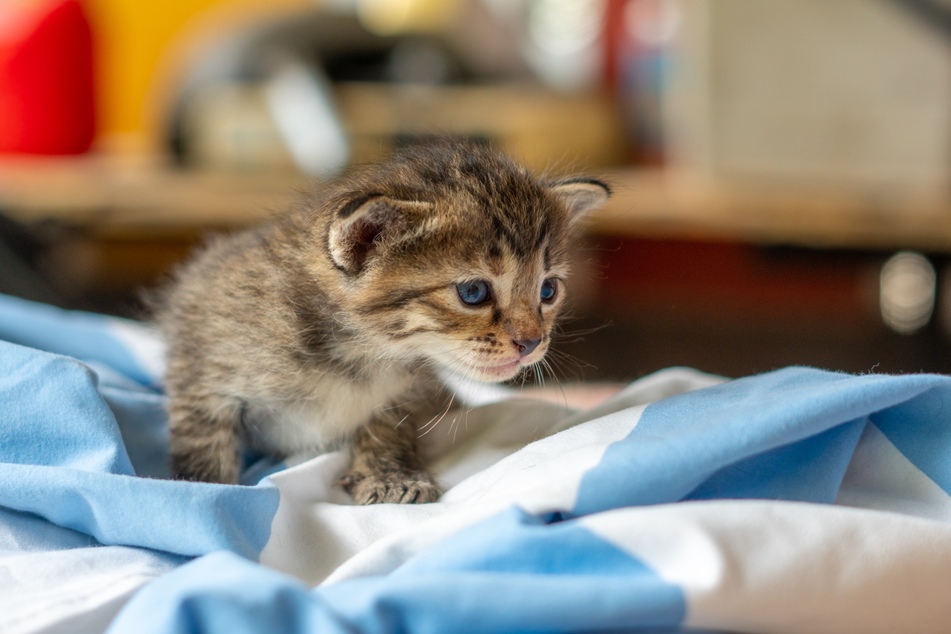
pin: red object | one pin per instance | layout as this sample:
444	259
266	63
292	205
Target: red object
612	43
47	100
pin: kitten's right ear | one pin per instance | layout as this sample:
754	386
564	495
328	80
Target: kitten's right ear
362	227
581	195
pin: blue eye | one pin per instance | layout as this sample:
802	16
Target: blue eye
549	289
474	292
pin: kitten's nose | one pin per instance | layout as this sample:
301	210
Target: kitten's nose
526	346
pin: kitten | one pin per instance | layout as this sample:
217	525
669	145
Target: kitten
326	327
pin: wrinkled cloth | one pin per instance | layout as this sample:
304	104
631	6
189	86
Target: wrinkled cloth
796	500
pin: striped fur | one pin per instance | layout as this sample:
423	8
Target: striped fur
326	327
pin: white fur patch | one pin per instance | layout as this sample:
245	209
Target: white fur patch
325	421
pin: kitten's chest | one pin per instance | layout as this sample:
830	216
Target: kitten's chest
323	412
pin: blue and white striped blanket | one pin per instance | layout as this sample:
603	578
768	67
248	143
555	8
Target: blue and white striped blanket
794	501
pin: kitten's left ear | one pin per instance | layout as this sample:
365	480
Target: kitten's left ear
361	229
581	196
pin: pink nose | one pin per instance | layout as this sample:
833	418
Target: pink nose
526	346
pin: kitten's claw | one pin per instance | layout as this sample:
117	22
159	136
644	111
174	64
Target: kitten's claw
391	488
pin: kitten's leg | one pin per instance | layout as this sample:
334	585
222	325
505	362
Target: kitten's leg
203	441
388	467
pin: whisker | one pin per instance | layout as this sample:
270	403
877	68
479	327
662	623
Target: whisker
561	336
433	422
579	364
558	382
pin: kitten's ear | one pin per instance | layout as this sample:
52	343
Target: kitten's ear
361	228
581	196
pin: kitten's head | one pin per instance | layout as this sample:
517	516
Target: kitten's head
455	254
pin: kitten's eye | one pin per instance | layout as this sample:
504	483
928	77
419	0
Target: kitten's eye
549	290
474	292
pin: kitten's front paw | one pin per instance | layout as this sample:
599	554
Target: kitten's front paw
399	488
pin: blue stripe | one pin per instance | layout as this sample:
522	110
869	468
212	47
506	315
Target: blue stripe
53	414
63	458
921	431
511	573
143	424
225	593
810	470
84	336
747	438
184	518
22	533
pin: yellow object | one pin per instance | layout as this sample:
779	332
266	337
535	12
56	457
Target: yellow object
389	17
133	40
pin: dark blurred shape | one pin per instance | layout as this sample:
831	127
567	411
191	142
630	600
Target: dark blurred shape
21	250
934	14
47	101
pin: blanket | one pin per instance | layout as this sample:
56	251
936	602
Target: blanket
799	500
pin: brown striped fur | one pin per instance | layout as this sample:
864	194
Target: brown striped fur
327	327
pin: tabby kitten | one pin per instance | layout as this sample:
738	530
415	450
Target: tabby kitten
327	327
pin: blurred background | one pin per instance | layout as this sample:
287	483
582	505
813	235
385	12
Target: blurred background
782	170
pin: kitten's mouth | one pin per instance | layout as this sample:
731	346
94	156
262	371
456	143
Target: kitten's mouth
495	372
505	371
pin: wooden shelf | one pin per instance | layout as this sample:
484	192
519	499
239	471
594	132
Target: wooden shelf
683	206
146	199
107	197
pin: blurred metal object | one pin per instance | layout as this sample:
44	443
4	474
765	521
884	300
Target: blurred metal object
301	105
221	99
261	97
907	289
